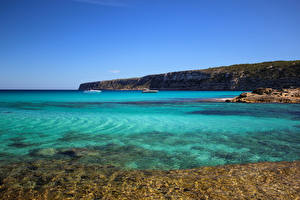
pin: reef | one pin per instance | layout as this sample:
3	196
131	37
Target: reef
269	95
242	77
62	179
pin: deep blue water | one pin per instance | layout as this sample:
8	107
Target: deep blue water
132	130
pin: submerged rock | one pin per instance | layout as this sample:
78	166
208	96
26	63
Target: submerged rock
269	95
44	152
78	152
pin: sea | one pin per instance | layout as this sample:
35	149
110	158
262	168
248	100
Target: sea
135	130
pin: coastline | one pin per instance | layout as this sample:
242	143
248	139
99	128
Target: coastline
97	172
269	95
58	179
241	77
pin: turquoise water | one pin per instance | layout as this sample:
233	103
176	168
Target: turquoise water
132	130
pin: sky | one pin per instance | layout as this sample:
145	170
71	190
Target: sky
58	44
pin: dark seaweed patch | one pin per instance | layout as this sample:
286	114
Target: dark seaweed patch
254	113
32	167
225	155
17	139
40	106
70	153
25	106
266	144
200	148
20	144
74	136
158	103
295	114
68	105
297	126
218	112
73	104
3	154
145	102
7	112
31	108
121	155
157	134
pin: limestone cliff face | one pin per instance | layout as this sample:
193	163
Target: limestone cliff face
279	74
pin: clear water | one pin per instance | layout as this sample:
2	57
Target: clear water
132	130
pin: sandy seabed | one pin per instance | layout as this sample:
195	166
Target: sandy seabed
61	179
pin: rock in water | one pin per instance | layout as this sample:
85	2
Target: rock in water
269	95
44	152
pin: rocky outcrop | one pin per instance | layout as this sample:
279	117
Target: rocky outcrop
269	95
279	74
61	179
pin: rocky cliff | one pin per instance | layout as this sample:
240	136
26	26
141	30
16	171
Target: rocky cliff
278	74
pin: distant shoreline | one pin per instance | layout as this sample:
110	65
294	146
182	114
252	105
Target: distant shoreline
240	77
164	90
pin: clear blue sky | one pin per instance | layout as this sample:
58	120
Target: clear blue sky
58	44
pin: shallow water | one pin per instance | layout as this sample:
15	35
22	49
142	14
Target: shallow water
132	130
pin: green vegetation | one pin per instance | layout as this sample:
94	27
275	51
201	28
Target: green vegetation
254	67
276	69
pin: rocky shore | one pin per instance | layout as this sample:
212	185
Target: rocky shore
61	179
269	95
